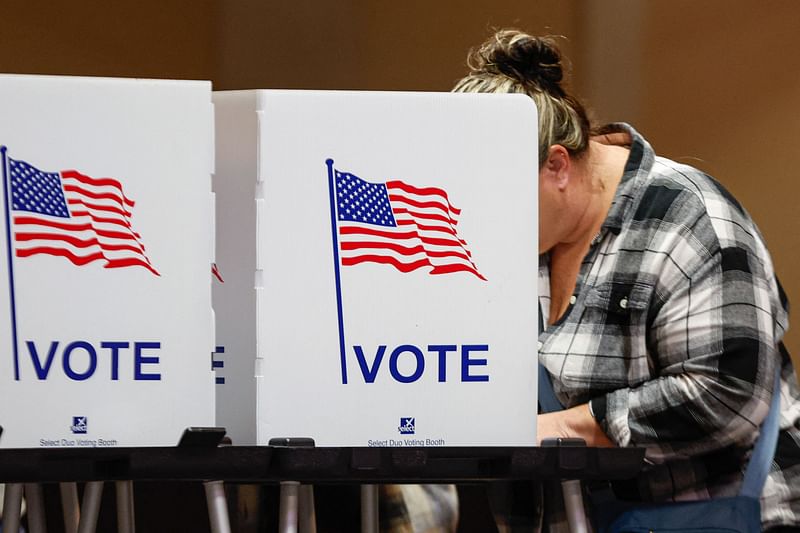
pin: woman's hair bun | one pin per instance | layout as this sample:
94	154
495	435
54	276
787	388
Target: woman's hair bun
525	58
514	62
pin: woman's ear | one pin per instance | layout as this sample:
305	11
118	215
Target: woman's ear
557	166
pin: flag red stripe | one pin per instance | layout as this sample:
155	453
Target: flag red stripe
451	253
99	182
422	191
74	241
426	216
387	260
84	260
399	248
94	195
355	230
432	216
61	252
109	208
116	221
416	203
74	227
425	227
408	267
131	261
403	250
398	235
455	267
440	242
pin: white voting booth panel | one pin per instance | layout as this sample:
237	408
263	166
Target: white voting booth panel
379	258
106	324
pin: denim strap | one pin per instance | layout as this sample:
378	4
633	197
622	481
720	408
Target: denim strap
547	397
764	451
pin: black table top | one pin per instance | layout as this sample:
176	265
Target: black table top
273	464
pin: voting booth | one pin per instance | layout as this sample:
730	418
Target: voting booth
377	267
106	322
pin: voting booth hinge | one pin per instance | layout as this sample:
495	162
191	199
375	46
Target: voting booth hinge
212	153
260	171
201	437
212	228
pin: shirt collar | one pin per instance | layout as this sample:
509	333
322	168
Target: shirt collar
637	168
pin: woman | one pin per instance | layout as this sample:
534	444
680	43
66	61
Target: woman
664	317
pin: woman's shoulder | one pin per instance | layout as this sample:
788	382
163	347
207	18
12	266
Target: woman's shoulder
711	193
684	195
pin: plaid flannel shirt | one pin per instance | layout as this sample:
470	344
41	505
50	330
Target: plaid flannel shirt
418	508
672	337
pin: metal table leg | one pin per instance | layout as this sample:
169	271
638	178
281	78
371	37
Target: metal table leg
369	508
287	522
12	507
308	517
70	506
126	522
217	507
90	508
573	503
34	496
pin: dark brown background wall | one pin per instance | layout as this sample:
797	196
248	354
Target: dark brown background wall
711	83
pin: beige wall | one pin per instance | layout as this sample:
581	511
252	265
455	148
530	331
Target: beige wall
711	83
362	44
130	39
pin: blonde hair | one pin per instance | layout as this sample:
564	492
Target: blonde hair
512	61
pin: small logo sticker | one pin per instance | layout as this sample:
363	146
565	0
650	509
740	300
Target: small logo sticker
79	425
407	426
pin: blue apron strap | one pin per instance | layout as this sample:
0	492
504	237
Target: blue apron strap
764	451
548	402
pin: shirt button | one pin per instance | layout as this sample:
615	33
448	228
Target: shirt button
623	304
573	299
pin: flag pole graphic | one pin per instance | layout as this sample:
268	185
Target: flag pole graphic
332	189
10	247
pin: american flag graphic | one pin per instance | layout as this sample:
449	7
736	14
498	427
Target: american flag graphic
401	225
71	215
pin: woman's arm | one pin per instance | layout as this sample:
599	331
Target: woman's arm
574	422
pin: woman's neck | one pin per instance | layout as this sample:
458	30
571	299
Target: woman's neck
603	168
